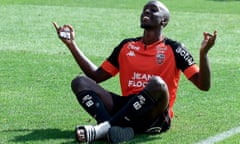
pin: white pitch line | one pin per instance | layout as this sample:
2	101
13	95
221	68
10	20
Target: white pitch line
221	136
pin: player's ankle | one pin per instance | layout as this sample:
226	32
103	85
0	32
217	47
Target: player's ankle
102	129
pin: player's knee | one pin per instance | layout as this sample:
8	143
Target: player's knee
78	84
158	89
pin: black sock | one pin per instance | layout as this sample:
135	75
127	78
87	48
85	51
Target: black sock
93	105
134	109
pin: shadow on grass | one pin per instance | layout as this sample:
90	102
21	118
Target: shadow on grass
141	138
30	135
65	136
36	135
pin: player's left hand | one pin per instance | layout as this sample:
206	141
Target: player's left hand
208	41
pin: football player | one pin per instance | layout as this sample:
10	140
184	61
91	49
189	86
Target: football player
149	68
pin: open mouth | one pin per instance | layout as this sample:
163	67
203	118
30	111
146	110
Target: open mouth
146	18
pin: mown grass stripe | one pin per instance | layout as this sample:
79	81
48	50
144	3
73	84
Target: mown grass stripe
221	136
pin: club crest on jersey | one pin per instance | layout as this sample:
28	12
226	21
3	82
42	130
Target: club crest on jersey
160	57
160	54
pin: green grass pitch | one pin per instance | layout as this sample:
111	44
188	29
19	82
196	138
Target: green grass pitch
36	69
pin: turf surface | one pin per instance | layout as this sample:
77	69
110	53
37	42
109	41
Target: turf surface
36	69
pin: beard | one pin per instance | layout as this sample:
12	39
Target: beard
146	26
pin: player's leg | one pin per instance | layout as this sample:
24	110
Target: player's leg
158	89
89	133
93	98
150	102
160	124
161	120
97	102
141	111
154	96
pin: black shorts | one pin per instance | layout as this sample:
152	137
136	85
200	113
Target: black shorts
158	125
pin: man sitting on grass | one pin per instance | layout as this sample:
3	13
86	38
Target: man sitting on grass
149	67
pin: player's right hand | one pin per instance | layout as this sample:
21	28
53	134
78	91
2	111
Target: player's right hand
65	33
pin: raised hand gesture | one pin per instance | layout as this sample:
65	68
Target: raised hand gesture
65	33
208	41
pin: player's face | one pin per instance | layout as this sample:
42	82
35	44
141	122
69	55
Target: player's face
151	16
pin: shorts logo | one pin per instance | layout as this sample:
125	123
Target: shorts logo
138	104
87	100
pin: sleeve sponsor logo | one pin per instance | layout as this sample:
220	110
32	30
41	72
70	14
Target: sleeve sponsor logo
185	55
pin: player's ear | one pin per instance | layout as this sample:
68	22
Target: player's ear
164	22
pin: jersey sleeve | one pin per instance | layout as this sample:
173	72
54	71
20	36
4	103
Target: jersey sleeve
184	59
111	64
108	67
191	70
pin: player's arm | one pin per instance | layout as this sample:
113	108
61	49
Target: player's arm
67	35
202	79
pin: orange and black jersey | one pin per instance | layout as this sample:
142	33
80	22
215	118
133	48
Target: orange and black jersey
137	63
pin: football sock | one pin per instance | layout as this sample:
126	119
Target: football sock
134	109
93	105
118	135
102	129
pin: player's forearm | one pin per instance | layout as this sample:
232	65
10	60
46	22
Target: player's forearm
84	63
205	73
